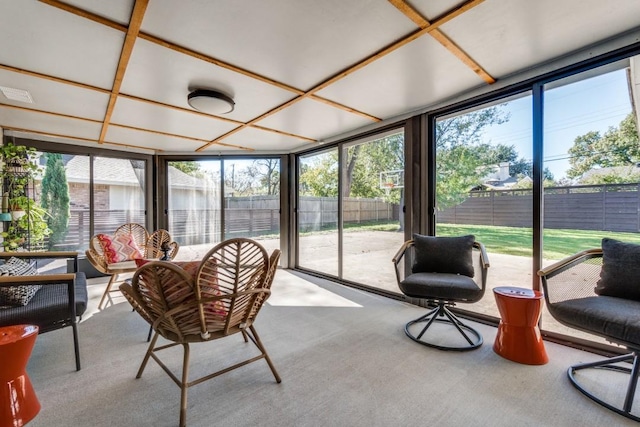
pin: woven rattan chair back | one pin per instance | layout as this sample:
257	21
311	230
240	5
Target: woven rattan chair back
153	247
222	298
137	231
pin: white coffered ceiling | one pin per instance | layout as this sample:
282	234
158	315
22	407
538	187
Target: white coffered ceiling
117	73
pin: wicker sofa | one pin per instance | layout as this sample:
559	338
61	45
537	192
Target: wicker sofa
59	303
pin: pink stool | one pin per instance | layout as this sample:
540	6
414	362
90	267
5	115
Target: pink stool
18	401
518	337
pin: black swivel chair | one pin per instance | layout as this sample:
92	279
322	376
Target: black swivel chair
443	271
596	291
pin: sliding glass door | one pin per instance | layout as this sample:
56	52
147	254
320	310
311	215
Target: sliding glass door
349	214
317	212
483	186
592	146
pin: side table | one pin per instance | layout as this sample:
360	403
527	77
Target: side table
18	401
518	338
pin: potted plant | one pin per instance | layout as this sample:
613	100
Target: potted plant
27	218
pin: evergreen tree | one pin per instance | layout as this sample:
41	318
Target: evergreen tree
55	198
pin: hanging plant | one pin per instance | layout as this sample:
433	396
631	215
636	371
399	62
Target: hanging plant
28	219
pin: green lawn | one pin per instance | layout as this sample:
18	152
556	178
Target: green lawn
509	240
557	244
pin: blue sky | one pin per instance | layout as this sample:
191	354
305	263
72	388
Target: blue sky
571	110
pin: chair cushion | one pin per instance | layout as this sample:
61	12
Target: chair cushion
609	317
443	254
444	286
121	266
620	273
17	295
118	248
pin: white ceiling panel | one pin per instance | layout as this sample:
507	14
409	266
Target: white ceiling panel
165	75
56	97
146	115
299	43
261	140
37	37
434	9
114	10
48	123
313	119
149	140
509	36
418	74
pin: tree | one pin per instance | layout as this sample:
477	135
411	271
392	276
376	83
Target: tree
460	154
55	198
262	176
617	147
319	176
190	168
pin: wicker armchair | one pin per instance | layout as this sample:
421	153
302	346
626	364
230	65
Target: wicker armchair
221	298
149	244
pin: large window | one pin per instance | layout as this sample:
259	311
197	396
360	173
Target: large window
252	200
318	212
372	194
84	195
212	200
194	207
484	186
349	210
592	147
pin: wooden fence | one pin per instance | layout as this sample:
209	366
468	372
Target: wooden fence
612	207
248	217
592	207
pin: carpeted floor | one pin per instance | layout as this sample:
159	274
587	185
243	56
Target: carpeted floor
343	358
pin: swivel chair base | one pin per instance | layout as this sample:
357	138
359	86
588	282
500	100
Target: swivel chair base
609	365
442	314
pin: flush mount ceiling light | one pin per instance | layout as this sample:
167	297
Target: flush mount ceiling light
210	101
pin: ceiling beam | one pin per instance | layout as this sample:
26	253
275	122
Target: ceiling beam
437	34
135	23
76	138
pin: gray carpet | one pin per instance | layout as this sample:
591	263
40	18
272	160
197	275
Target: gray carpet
343	358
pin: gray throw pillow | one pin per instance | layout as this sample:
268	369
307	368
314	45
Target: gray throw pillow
620	271
17	295
444	254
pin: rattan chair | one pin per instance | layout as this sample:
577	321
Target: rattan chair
151	246
158	242
222	298
442	271
97	258
573	291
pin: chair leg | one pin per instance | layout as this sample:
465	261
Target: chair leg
609	364
442	314
76	343
112	280
258	343
184	386
147	355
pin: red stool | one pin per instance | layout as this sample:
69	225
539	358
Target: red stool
518	337
18	401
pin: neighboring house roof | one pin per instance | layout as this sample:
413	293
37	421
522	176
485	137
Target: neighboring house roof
497	177
111	171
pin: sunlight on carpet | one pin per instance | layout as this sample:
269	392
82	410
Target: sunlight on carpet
292	291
